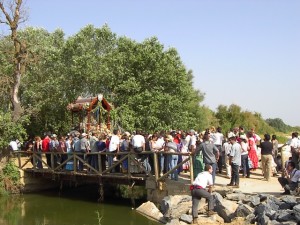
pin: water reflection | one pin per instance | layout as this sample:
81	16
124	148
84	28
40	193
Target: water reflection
49	209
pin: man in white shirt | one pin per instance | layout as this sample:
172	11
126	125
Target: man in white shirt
160	144
293	144
192	141
198	191
13	145
218	138
114	146
138	142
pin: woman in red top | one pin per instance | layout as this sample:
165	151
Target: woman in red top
252	151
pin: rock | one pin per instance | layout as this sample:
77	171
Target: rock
252	200
275	200
235	196
174	206
215	219
272	204
238	221
285	215
217	198
296	210
284	205
260	209
202	207
223	190
243	211
226	209
289	199
174	222
265	210
263	197
262	219
186	218
250	219
150	210
274	222
178	210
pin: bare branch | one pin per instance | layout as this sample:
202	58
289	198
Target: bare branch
7	16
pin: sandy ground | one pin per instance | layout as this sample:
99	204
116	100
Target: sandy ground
251	185
254	184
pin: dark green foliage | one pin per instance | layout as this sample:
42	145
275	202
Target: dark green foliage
10	130
10	170
234	116
147	84
9	179
279	125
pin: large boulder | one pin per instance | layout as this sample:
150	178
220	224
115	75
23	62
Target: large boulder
235	196
150	210
215	219
285	216
225	209
173	207
174	222
186	218
253	201
223	190
243	211
296	210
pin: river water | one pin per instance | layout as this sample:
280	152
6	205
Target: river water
71	208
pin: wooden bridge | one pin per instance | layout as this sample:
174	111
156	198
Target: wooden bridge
139	176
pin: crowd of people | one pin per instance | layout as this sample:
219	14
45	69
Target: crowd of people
237	152
208	147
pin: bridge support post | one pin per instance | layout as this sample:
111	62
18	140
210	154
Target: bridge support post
61	187
101	192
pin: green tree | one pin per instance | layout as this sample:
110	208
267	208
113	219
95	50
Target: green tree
13	15
148	85
234	116
278	124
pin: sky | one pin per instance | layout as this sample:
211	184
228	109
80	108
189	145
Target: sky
241	52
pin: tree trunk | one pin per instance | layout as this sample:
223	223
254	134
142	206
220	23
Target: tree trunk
17	108
20	54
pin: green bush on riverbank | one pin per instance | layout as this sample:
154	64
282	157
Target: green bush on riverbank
9	179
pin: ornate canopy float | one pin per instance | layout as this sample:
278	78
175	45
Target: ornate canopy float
92	113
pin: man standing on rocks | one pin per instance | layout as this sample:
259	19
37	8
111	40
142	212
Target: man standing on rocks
198	191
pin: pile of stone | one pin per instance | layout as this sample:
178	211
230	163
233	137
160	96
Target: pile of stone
232	207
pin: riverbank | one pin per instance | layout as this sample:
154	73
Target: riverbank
255	201
176	209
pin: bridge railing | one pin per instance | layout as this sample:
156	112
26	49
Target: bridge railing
134	160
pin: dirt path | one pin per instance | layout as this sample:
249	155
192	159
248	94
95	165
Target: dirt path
254	184
251	185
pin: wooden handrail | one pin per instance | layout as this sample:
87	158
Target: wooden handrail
74	157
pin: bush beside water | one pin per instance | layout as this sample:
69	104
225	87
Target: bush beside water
9	179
